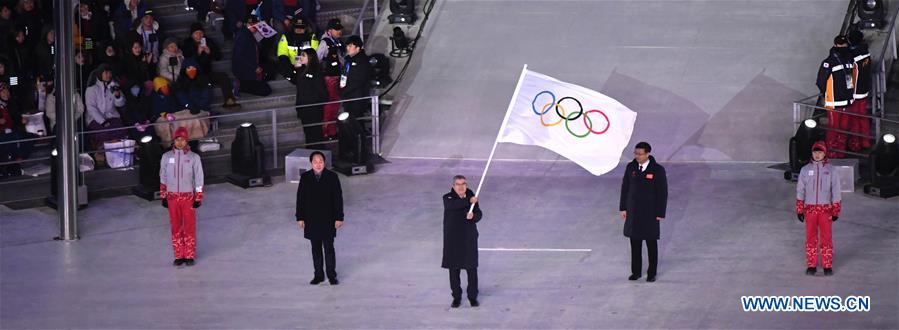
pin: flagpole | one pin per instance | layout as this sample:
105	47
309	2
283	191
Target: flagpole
502	128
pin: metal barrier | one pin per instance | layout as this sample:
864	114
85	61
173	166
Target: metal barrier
803	110
359	28
374	117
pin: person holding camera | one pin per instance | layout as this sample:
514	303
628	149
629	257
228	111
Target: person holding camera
205	51
101	100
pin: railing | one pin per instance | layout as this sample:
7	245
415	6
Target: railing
216	133
803	110
882	66
359	27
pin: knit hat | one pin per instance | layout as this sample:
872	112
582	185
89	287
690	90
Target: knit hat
355	41
190	62
196	26
159	82
168	41
181	132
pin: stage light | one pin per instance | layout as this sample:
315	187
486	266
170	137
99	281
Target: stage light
399	43
353	156
380	67
149	154
801	147
883	165
871	14
402	11
248	159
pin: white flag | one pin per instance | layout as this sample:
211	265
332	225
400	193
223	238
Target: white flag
580	124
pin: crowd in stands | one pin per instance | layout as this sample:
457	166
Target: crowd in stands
130	72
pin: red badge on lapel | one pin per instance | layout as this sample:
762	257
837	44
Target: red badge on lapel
649	176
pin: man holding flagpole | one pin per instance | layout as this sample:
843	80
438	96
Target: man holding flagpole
644	198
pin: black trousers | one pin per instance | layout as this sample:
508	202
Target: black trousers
637	256
328	246
312	115
255	87
456	283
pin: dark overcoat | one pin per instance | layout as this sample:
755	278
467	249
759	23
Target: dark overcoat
460	235
644	195
319	204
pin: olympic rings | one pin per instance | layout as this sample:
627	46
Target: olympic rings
561	113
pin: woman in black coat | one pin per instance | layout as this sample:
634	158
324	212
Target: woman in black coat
644	199
310	90
319	214
460	239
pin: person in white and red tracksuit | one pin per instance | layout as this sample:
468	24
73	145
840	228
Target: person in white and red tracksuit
818	204
181	189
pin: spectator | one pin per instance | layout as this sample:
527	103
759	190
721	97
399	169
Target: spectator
83	70
170	61
193	90
125	17
89	31
101	100
20	64
7	21
163	103
11	129
148	31
236	12
290	45
137	70
245	63
205	51
310	90
107	53
50	108
31	19
284	10
45	67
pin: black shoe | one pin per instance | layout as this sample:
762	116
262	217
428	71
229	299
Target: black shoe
650	278
456	303
333	281
633	277
316	280
189	262
828	271
474	302
811	271
178	262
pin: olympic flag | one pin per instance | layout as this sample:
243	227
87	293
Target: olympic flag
583	125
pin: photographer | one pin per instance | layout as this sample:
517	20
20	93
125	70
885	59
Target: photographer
170	61
101	100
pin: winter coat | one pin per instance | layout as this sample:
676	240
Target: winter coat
311	87
460	235
101	103
194	94
44	54
644	195
245	57
167	71
818	186
319	204
189	49
125	20
358	72
181	171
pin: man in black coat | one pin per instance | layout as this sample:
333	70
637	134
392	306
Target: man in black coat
320	214
460	239
356	79
644	198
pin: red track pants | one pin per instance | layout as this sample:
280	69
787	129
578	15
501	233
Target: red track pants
183	218
837	140
859	125
818	234
331	110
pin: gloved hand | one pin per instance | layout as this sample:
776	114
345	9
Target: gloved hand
834	218
801	217
197	204
165	203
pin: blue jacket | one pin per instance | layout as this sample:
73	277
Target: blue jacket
162	103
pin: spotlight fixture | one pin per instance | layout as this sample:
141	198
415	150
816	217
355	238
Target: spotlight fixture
380	68
403	12
871	13
149	154
248	159
883	165
801	147
353	156
399	43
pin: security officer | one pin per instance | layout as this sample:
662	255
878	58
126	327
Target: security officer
290	45
331	52
861	77
836	83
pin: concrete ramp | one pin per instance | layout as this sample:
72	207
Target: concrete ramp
710	80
